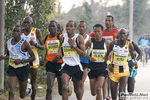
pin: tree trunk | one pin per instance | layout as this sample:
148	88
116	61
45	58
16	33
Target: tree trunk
2	22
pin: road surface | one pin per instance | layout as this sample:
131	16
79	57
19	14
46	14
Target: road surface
142	85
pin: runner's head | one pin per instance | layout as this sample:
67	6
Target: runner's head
17	31
70	27
123	34
109	20
52	27
27	23
98	30
60	28
82	27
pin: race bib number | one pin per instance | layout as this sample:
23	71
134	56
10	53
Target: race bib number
110	38
98	55
52	46
120	58
68	50
11	61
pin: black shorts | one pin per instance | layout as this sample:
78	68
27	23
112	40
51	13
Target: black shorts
21	73
53	68
73	71
97	72
84	65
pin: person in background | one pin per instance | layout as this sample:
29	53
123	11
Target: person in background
144	43
84	61
31	35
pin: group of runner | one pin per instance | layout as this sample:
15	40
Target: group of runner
104	55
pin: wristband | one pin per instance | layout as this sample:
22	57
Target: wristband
108	62
22	61
74	45
134	61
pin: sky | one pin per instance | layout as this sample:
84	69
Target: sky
67	4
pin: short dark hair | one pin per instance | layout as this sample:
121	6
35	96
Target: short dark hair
75	25
111	17
127	31
53	21
98	25
82	21
18	26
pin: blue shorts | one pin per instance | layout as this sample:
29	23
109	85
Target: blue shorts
133	72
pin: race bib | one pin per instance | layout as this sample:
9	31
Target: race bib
110	38
11	61
120	58
98	55
68	50
52	46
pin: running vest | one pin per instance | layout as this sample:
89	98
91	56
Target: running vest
70	55
98	51
51	45
119	57
15	52
109	36
85	60
32	36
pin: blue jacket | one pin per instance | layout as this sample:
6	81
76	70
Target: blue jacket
144	42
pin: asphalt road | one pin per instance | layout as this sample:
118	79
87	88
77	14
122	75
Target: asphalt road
142	85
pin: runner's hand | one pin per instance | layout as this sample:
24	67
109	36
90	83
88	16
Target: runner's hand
92	59
41	62
71	41
131	64
56	59
1	57
136	66
111	68
17	61
32	43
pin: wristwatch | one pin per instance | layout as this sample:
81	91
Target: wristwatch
74	45
22	61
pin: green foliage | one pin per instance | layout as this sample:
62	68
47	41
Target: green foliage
40	10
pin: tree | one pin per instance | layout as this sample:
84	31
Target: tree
2	15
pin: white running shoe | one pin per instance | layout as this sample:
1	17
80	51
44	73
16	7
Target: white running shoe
29	87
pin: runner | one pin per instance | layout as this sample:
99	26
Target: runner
17	53
98	69
60	28
84	61
110	33
53	65
132	70
118	68
31	35
72	46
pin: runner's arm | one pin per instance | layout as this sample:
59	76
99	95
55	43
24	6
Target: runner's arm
80	51
60	45
107	43
116	33
39	37
6	56
29	50
110	47
88	44
137	49
131	50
